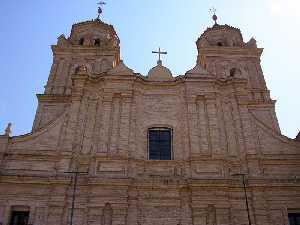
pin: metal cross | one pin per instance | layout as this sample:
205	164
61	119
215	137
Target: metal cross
159	53
101	3
213	10
75	177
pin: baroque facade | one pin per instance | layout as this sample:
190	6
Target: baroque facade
157	149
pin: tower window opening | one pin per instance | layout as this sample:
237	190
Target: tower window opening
81	41
160	143
232	72
97	42
220	44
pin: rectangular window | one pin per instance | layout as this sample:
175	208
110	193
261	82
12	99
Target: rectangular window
294	218
160	143
19	218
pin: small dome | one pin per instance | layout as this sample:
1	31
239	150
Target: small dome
94	33
160	73
221	35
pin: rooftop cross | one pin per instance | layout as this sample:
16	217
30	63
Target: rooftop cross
101	3
214	17
159	52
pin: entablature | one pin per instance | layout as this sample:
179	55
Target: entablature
82	50
231	52
54	98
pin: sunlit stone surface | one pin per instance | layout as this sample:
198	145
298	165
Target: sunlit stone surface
95	114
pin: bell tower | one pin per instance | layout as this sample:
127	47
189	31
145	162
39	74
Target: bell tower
93	44
223	52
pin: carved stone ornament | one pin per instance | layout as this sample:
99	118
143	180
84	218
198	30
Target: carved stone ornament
251	43
81	69
298	137
62	41
107	215
7	131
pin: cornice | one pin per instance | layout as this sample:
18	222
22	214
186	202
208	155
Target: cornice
252	182
136	78
218	27
100	51
54	98
258	104
181	79
231	51
230	183
96	22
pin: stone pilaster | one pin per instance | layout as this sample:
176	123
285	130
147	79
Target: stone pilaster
51	79
214	136
223	216
250	144
205	145
230	129
106	121
77	93
40	216
57	83
7	212
186	209
89	127
97	138
125	124
222	129
115	125
132	214
193	126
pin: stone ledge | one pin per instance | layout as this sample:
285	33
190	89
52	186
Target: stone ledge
54	98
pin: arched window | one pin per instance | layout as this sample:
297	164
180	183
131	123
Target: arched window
160	143
81	41
97	42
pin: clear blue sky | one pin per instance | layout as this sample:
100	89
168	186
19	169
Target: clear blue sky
28	28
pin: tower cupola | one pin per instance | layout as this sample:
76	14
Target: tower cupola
94	33
221	36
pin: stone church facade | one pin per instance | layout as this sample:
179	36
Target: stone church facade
98	116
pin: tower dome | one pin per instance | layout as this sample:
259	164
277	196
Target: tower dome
160	73
221	36
94	33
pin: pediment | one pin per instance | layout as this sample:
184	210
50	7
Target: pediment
121	69
197	71
43	139
272	142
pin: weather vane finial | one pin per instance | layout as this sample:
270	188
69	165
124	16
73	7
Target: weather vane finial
101	3
214	17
